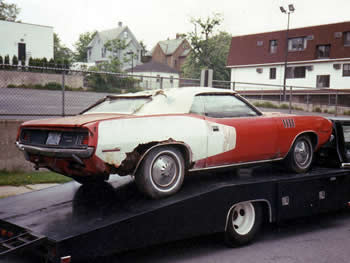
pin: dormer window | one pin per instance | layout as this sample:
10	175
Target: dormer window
273	46
125	34
346	37
297	44
323	51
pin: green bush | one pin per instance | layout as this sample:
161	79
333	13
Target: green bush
14	60
265	104
284	106
317	109
347	112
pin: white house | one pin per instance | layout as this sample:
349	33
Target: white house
26	40
317	57
130	56
155	75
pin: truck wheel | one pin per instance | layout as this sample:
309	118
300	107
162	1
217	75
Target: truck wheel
243	223
161	173
300	157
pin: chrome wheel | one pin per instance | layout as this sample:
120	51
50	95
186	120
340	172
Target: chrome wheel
161	173
164	170
243	218
302	153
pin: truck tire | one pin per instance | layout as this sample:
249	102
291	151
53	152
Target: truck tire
161	173
301	154
243	223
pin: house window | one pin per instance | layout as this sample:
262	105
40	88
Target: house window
296	44
125	34
171	79
272	73
103	52
322	81
273	46
346	37
89	52
346	70
296	72
158	78
323	51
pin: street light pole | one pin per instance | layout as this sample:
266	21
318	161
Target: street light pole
291	9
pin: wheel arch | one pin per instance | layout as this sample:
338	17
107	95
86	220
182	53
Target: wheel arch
266	206
181	146
312	135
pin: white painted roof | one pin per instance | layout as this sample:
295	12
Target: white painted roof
173	100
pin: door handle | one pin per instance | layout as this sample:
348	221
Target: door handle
215	128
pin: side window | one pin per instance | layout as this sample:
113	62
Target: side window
197	106
226	106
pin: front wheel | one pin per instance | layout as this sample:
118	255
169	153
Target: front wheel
300	157
161	173
243	223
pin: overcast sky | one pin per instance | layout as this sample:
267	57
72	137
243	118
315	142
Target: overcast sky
155	20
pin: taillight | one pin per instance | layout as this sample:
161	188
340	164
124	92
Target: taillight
85	140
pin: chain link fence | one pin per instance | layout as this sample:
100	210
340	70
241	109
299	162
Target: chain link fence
38	92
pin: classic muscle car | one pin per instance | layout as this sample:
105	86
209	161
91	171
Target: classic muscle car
159	136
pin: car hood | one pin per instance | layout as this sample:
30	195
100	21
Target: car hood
74	121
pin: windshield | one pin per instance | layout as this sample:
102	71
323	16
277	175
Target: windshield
119	105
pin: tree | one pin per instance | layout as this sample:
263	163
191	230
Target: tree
8	12
61	52
81	46
209	50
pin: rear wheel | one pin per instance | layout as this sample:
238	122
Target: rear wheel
300	157
161	173
243	223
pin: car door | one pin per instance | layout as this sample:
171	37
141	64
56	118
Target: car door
237	132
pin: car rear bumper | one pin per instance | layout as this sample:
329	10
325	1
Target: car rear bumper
56	152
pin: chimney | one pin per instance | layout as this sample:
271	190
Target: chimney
120	24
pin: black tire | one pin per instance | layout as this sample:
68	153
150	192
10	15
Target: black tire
161	173
243	223
301	154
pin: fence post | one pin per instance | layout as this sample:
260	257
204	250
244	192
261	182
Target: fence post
336	103
233	86
290	99
63	93
307	102
161	83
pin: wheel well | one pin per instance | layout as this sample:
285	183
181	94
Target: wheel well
185	151
313	137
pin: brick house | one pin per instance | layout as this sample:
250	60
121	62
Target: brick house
318	56
172	52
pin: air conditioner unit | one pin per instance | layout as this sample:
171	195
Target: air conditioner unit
336	66
259	70
310	68
310	37
338	34
259	43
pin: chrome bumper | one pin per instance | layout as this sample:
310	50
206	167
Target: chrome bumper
56	152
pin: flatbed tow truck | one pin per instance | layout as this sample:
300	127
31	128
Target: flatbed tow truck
73	222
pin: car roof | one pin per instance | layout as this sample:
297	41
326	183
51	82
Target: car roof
169	101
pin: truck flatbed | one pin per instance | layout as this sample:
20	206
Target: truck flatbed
88	221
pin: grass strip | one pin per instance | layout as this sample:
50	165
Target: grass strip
24	178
